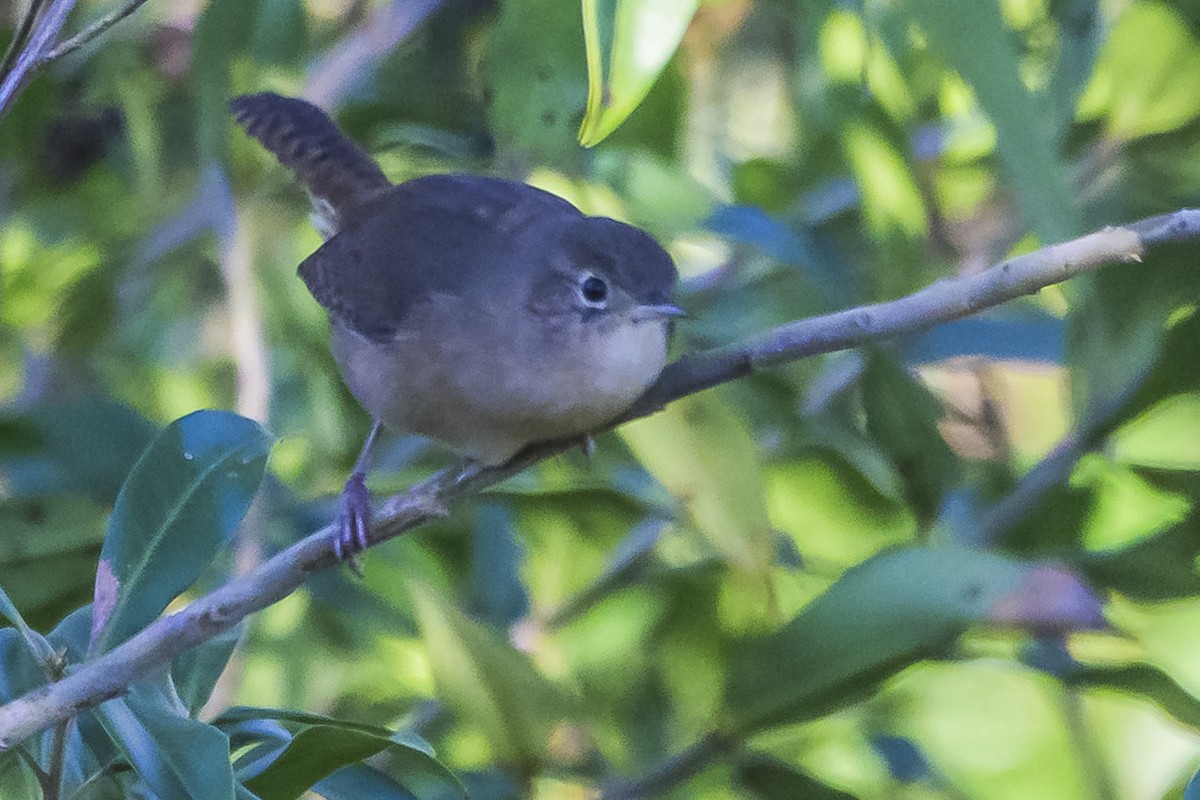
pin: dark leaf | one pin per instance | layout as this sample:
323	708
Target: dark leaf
84	447
177	758
1162	567
902	418
181	502
195	671
768	778
1145	681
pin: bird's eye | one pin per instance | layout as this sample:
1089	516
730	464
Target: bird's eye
594	291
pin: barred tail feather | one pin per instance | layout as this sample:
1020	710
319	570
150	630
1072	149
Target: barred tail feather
336	172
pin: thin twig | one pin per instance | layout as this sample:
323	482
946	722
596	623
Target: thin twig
58	760
19	38
1053	470
88	34
109	675
674	770
45	31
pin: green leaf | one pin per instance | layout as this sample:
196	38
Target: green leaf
181	502
486	681
1123	355
19	673
902	417
628	43
888	612
70	635
974	40
313	754
705	455
1147	90
16	778
1146	681
414	756
280	32
361	782
222	30
536	94
39	648
48	553
1175	370
242	793
1162	567
83	447
1081	33
768	778
177	758
195	671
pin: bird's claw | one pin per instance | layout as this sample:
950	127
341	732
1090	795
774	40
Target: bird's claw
354	522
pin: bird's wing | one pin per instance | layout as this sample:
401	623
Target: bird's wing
337	173
440	234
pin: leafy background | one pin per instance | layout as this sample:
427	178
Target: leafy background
772	576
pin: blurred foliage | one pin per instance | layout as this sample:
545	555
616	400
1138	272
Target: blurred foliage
801	581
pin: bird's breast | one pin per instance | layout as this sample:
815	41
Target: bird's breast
488	383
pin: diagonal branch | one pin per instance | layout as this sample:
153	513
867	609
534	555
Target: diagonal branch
42	23
88	34
109	675
34	44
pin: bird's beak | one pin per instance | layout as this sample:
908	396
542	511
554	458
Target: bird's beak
657	311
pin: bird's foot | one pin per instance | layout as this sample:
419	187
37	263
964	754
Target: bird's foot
354	522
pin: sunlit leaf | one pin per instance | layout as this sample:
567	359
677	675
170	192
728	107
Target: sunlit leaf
1145	88
181	502
487	681
48	553
888	612
537	94
628	43
1162	567
703	453
973	39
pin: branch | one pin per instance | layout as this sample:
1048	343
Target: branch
41	33
108	676
35	38
88	34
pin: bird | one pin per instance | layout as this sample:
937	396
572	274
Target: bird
478	311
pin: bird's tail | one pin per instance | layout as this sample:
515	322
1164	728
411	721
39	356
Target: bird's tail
338	174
